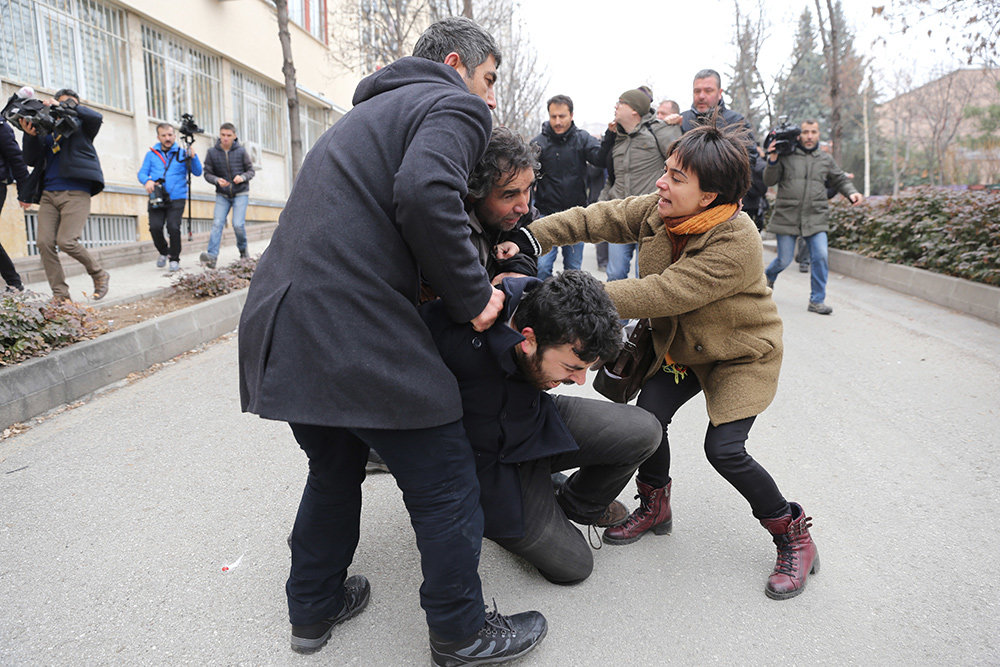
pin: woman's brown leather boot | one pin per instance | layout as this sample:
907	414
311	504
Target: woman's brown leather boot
797	554
653	514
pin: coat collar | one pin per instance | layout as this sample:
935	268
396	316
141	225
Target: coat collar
501	337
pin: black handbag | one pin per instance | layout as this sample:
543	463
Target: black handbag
621	378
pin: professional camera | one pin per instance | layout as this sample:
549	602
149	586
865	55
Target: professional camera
56	119
784	137
188	128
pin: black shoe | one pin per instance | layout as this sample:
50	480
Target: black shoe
311	638
803	268
243	254
501	638
375	463
207	260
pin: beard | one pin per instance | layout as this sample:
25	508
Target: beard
530	369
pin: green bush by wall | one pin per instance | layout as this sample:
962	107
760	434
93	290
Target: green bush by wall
947	231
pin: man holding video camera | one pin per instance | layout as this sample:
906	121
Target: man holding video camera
67	173
802	174
164	175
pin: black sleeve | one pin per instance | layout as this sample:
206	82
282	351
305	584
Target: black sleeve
12	154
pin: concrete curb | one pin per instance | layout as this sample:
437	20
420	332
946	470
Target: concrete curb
33	387
966	296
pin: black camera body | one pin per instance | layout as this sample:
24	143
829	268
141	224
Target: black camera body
188	128
784	137
56	119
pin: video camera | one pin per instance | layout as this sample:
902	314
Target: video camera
784	137
56	119
188	128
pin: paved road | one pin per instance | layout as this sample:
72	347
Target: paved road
117	517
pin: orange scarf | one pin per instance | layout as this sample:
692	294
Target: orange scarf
679	229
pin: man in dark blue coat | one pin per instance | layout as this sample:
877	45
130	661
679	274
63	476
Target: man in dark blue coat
67	173
566	150
549	334
332	343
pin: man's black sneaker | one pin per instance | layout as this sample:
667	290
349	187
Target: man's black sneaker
501	638
311	638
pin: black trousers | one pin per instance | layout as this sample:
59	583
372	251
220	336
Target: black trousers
725	447
7	270
613	440
171	216
435	469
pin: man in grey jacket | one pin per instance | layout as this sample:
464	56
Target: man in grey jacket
637	142
229	168
332	343
802	207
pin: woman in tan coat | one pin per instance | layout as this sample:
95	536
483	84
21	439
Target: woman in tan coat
715	327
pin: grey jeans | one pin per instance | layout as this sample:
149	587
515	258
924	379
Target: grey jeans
613	439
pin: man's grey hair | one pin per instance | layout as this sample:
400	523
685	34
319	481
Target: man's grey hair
461	35
674	107
164	125
706	73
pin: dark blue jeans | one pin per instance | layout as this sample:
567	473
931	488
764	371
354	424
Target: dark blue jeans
435	470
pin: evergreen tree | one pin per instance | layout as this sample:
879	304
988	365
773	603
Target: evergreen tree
802	92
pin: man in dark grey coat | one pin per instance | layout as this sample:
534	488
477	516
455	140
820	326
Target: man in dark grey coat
331	340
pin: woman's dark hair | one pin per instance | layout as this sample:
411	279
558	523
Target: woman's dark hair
572	307
718	156
506	156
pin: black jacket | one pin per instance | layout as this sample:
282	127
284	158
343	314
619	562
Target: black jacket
219	164
12	167
562	183
330	334
508	421
77	156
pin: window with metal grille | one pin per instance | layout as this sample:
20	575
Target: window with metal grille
99	231
314	121
258	109
181	79
78	44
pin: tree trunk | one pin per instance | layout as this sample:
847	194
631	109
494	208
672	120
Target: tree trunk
868	143
831	49
467	9
291	91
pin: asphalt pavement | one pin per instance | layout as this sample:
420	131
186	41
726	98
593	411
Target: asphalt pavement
117	518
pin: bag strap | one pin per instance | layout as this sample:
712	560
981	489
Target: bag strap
166	163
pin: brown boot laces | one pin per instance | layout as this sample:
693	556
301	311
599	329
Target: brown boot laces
636	516
787	556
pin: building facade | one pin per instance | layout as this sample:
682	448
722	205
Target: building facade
147	61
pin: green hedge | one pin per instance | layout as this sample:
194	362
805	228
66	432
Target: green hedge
947	231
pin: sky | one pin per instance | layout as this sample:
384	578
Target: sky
595	50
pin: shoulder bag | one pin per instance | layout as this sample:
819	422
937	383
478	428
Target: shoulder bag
621	378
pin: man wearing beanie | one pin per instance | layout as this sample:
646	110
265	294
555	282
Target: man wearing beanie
636	144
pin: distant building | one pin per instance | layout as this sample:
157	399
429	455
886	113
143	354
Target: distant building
932	122
142	62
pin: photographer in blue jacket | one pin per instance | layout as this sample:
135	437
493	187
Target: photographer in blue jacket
166	165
